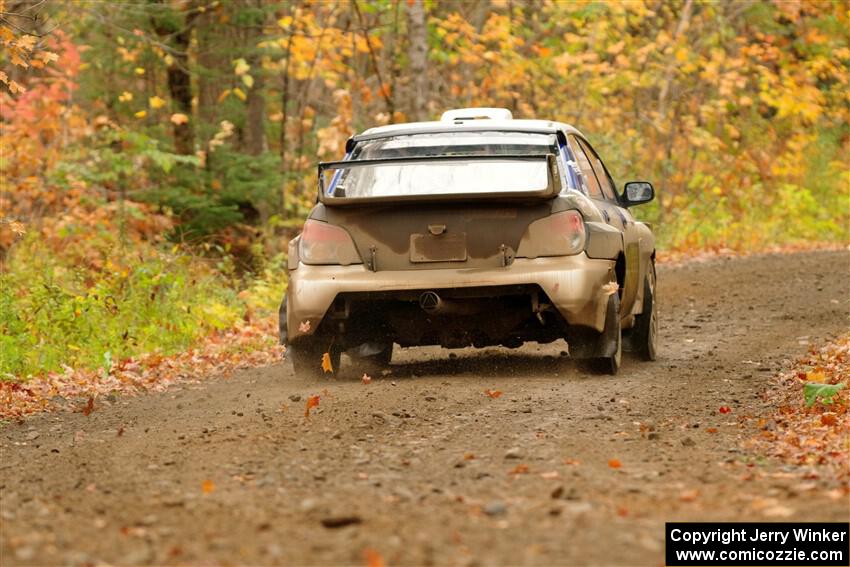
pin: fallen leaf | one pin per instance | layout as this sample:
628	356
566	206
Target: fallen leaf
816	376
304	326
519	469
689	495
89	407
622	511
179	118
327	365
615	463
712	430
366	379
610	288
373	558
572	462
207	486
493	393
550	475
828	419
312	402
725	409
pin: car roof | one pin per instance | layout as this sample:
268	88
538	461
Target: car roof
467	125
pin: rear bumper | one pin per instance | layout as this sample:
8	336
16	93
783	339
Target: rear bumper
573	284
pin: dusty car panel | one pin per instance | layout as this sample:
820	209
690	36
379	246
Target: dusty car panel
470	232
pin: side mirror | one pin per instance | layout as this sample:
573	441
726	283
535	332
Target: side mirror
637	193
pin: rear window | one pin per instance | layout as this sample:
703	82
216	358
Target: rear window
456	143
443	177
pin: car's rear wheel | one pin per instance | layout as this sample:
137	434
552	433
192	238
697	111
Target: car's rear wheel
644	337
609	350
307	357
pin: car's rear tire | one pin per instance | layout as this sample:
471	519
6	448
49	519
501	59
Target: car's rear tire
307	356
610	344
644	336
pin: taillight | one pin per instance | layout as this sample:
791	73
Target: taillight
561	234
323	243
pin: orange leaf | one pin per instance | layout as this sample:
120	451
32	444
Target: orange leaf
519	469
327	365
615	463
89	407
712	430
725	409
828	419
373	558
312	402
493	393
207	486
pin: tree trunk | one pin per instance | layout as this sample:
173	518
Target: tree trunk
255	123
179	80
418	60
180	89
255	111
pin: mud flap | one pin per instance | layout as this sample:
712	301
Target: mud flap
586	343
281	321
606	345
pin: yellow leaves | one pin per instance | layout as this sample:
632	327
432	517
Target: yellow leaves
179	118
139	70
240	67
681	54
240	94
327	365
140	114
26	42
15	87
125	96
17	228
224	94
248	81
156	102
285	22
816	376
616	48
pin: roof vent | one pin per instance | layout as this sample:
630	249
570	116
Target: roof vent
476	114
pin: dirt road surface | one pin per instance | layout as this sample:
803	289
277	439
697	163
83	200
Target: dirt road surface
422	467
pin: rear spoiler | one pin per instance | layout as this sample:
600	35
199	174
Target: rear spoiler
552	189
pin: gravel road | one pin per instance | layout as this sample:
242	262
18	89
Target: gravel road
422	467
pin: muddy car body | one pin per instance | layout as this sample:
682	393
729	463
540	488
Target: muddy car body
475	230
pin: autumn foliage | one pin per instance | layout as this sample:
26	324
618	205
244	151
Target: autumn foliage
156	158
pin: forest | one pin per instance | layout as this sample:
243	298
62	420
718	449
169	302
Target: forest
156	156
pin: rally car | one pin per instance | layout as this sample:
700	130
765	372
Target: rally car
471	231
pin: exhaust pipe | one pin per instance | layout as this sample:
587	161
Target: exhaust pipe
430	302
433	304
